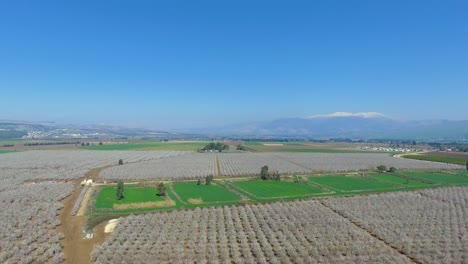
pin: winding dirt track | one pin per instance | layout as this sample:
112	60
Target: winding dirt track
76	249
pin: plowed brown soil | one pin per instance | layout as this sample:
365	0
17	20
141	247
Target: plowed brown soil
76	249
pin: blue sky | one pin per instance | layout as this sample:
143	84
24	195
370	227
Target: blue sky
179	64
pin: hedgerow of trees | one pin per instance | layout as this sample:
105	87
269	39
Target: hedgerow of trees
218	146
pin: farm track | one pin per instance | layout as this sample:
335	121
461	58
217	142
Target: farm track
171	187
218	167
360	226
243	197
75	248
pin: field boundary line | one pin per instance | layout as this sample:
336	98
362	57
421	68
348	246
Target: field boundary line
171	188
218	167
294	163
243	197
360	226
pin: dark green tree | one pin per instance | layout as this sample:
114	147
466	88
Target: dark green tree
467	165
264	175
240	147
120	162
209	179
161	189
120	190
276	176
199	182
392	169
381	168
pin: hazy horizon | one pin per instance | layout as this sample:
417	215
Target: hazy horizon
176	65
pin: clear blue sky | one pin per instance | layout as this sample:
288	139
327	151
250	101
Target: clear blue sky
177	64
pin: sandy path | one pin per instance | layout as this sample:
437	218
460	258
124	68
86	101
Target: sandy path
76	249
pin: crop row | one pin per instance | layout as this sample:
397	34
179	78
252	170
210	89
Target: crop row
28	214
235	164
187	166
65	164
294	232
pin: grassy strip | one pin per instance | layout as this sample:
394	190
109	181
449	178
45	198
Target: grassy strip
144	205
434	158
4	151
438	177
206	193
394	179
132	195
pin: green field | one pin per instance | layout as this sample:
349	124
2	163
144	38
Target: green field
207	193
461	172
6	151
398	180
437	177
193	146
276	189
351	183
132	194
439	158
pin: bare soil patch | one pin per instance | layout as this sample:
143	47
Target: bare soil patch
75	248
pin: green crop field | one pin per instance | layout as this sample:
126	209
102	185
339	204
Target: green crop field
132	194
439	158
276	189
207	193
437	177
351	183
193	146
398	180
6	151
461	172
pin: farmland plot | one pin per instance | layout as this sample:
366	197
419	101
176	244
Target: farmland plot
233	164
429	230
28	214
66	164
455	195
294	232
437	177
336	162
351	183
180	167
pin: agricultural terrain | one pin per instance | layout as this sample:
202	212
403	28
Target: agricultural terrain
460	158
318	212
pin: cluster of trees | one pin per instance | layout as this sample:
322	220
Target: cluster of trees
120	190
240	147
50	143
267	176
208	180
383	168
458	147
161	190
218	146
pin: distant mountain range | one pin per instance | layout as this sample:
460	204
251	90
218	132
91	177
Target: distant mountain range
369	125
348	125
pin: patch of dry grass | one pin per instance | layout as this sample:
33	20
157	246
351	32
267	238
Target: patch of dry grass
195	201
144	205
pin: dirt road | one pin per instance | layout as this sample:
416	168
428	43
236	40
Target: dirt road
76	249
